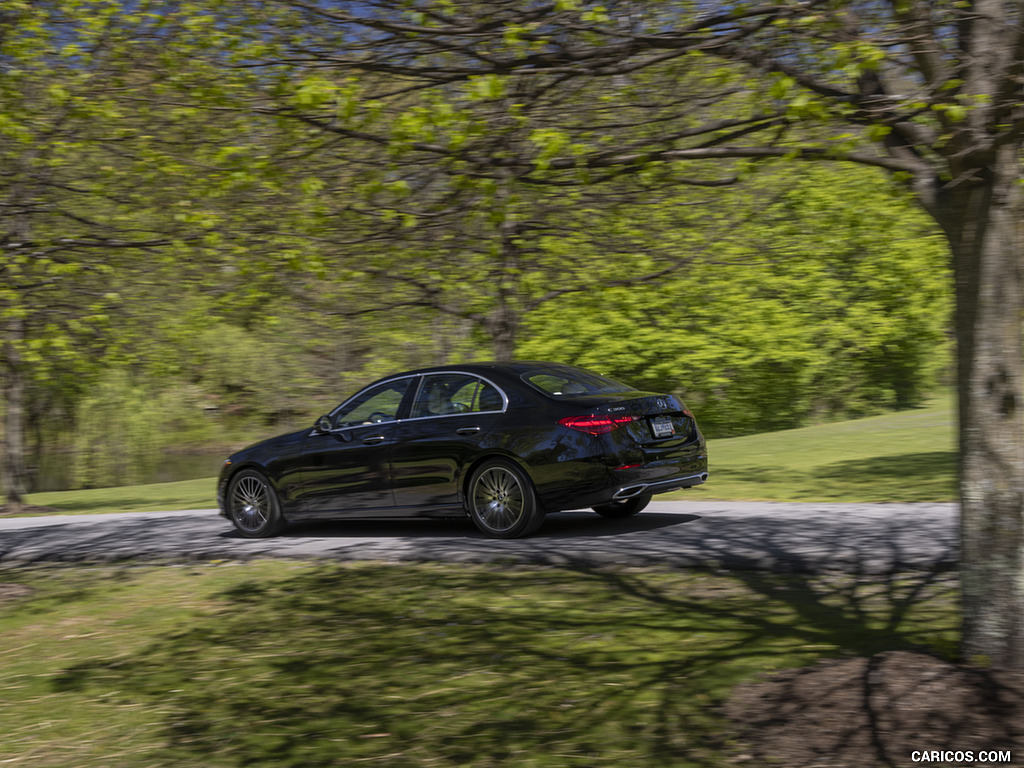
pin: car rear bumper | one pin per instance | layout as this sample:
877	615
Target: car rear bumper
596	484
661	486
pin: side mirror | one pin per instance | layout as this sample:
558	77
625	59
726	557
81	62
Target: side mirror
323	424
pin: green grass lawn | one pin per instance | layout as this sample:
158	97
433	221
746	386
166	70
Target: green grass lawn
905	456
185	494
290	664
285	664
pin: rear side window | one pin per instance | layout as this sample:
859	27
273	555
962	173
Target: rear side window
569	382
453	393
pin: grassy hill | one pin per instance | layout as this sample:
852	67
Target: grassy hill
904	456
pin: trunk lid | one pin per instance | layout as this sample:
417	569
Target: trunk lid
657	419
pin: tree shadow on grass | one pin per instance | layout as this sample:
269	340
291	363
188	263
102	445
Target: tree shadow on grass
898	477
450	665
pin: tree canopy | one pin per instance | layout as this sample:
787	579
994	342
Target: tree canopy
929	91
487	162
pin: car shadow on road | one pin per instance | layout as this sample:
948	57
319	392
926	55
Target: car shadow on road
771	538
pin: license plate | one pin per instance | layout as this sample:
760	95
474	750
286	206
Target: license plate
662	426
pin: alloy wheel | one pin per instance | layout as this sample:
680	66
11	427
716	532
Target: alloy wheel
499	499
251	505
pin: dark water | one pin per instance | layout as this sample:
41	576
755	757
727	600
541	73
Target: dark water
55	470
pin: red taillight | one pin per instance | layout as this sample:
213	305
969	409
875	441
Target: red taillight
596	425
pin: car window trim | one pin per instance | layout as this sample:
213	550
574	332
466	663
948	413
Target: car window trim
401	407
478	377
415	393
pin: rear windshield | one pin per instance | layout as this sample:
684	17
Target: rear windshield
568	382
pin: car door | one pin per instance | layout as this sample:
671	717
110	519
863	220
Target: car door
449	417
348	469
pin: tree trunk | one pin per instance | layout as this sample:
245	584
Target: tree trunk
14	428
982	215
501	325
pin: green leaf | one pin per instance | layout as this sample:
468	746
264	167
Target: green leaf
878	132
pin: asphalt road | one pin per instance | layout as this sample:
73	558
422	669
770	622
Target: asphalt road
860	538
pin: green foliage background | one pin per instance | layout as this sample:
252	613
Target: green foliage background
832	301
192	257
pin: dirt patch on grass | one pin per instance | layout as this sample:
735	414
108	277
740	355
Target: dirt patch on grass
35	509
878	711
9	592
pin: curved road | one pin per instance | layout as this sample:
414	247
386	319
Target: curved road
861	538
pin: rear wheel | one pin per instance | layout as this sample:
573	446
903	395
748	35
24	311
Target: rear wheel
502	502
253	506
625	507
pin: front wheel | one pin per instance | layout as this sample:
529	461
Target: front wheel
502	502
253	506
625	507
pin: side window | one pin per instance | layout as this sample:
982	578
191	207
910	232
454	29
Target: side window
374	405
488	398
449	393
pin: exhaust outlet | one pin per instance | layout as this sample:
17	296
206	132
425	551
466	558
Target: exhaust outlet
629	492
661	486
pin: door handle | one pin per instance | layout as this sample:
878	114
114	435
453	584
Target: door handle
374	439
468	430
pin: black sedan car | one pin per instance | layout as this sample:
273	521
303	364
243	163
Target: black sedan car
504	443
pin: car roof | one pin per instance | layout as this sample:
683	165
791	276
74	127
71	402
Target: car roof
514	368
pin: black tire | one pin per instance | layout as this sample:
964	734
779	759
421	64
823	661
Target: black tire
625	508
253	506
502	502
